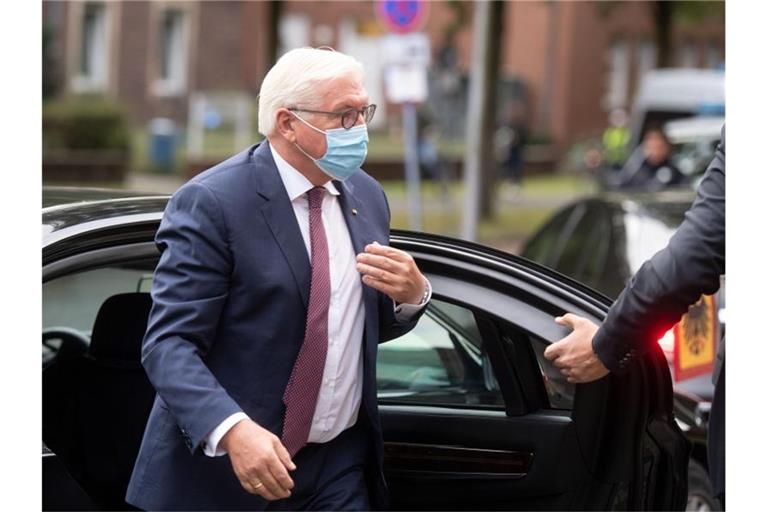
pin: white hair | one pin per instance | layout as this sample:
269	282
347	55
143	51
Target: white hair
293	80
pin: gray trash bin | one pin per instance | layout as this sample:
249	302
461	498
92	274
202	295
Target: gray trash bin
162	144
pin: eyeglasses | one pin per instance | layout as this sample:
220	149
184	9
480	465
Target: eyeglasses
348	117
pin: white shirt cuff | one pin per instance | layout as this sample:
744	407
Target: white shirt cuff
404	312
211	442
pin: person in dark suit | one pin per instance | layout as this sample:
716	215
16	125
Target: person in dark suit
274	287
656	171
654	300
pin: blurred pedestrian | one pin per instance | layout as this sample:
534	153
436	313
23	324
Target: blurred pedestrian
517	136
431	166
654	300
615	139
656	171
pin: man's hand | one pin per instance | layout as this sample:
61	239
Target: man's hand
260	460
392	272
573	354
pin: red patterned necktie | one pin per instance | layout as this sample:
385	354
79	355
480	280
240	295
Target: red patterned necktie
300	396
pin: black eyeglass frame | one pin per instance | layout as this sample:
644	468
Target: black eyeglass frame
367	112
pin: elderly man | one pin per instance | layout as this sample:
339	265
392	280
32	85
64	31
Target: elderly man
274	287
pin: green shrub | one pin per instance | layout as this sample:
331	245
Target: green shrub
85	123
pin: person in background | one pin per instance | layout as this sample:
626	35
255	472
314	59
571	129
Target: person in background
656	171
517	133
615	139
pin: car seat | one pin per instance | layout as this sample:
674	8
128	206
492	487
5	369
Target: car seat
110	401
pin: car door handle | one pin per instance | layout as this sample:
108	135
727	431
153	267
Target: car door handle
456	461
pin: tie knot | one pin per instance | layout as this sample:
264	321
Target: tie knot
315	196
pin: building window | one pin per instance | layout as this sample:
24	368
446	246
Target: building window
646	58
714	56
617	87
172	69
688	55
93	57
293	32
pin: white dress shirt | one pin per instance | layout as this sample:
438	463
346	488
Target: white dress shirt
339	398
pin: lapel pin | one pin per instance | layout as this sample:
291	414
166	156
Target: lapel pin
354	211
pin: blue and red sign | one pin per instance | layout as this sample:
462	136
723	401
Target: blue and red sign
402	16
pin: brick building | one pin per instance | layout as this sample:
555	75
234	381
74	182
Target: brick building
574	60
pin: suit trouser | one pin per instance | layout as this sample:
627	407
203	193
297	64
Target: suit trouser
330	476
716	438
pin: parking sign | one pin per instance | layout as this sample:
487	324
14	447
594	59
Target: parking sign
402	16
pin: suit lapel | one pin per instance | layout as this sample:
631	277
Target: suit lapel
360	231
355	215
281	219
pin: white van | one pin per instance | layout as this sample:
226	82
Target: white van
667	94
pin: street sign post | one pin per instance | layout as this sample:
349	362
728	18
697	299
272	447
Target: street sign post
407	56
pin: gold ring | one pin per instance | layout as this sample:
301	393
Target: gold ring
258	485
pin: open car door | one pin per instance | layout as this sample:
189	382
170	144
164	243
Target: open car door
474	416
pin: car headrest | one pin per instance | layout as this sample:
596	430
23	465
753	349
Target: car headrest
120	326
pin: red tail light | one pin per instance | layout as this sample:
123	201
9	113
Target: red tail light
667	342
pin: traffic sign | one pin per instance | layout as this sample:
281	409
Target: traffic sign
402	16
412	49
406	57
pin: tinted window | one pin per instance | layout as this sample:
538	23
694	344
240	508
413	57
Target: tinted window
559	391
441	361
584	254
71	302
547	244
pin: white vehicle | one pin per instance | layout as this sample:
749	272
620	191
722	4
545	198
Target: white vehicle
668	94
693	142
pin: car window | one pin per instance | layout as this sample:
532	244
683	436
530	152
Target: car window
585	253
442	361
693	157
71	302
546	246
559	391
578	248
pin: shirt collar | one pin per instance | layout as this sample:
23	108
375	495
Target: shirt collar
296	184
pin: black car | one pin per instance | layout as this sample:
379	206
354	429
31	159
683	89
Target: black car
473	415
602	241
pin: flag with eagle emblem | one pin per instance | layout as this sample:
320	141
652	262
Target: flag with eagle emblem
696	340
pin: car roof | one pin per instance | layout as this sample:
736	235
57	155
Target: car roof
60	195
671	200
69	207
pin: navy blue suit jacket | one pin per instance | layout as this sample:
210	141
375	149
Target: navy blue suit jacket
230	296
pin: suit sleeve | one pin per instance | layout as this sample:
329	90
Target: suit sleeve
190	287
389	326
673	279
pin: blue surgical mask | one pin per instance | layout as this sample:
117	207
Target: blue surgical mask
345	150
